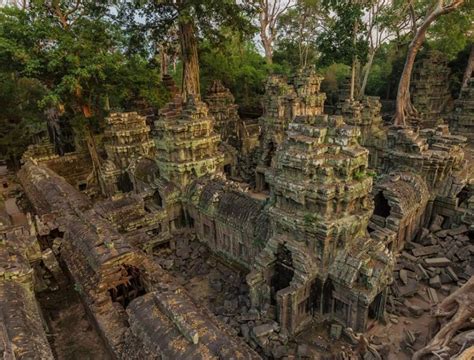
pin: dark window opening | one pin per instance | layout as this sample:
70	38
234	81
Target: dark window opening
390	245
124	184
328	288
82	186
270	153
262	185
375	308
5	185
463	196
190	221
46	241
470	234
228	169
284	270
129	288
303	307
155	231
157	199
382	207
315	295
181	220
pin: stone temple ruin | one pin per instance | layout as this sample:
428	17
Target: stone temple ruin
461	121
329	220
430	88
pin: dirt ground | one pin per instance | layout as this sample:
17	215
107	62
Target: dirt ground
71	334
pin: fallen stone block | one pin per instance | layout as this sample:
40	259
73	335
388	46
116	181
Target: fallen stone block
263	330
410	337
437	262
433	295
245	331
441	233
408	290
435	282
422	272
409	257
426	250
404	276
458	231
445	278
445	290
414	310
423	234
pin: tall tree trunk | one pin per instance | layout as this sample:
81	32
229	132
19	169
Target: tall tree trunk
404	107
469	69
164	61
354	62
189	55
367	68
267	47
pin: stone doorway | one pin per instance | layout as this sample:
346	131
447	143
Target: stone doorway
328	289
124	183
376	307
158	201
269	153
382	207
463	196
283	273
315	297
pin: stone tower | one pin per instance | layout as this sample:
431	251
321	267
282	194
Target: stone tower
283	101
462	119
366	115
186	143
223	109
430	88
320	260
126	138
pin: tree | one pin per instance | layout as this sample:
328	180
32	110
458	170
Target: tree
269	12
150	21
75	53
404	107
383	20
239	66
297	32
457	311
336	43
469	68
453	32
21	119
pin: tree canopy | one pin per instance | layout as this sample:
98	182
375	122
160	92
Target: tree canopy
67	64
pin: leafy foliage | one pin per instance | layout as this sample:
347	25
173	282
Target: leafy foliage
21	119
79	63
343	37
239	66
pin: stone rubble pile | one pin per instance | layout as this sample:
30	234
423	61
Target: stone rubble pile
434	265
442	259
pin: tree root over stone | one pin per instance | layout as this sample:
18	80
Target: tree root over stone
456	313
